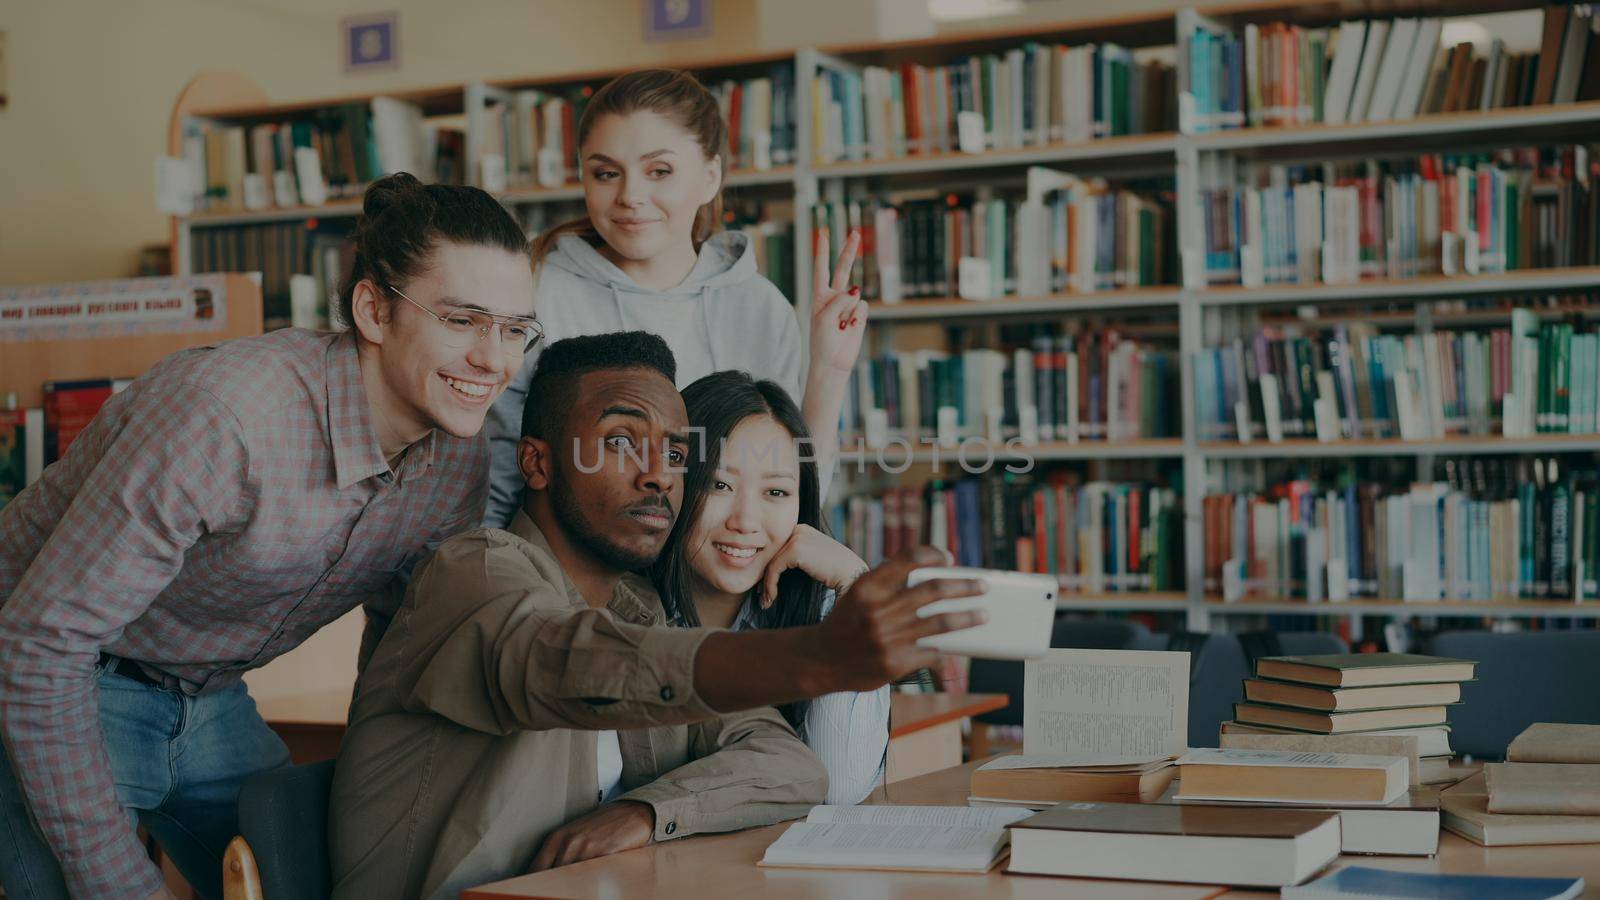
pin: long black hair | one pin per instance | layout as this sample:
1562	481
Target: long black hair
719	403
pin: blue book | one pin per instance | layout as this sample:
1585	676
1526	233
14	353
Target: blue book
1360	881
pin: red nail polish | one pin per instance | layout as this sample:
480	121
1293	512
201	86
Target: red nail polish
843	324
855	291
854	320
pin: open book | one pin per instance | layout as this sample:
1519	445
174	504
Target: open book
931	838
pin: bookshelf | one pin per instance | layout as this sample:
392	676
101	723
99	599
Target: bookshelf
1184	158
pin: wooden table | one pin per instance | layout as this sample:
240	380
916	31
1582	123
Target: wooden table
725	866
925	730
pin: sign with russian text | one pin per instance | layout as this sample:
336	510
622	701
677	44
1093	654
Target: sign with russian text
99	309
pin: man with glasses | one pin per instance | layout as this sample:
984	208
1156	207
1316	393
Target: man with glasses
227	505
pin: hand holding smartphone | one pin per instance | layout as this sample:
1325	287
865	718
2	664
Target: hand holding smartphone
1021	611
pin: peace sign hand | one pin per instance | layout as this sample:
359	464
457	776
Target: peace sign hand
838	314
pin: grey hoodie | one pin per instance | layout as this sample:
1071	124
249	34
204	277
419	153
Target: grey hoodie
723	316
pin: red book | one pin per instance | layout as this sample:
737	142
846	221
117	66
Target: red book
69	406
735	111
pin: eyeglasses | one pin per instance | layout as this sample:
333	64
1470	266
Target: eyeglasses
467	326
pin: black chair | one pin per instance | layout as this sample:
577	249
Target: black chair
1004	676
282	849
1522	678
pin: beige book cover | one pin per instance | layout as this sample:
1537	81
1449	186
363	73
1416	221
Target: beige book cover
1557	789
1550	742
1464	809
1363	744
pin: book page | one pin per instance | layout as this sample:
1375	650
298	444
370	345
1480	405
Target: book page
958	816
1128	762
1306	759
888	846
1107	703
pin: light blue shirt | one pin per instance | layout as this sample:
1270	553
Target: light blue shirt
848	731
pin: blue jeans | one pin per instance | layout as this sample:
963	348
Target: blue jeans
178	762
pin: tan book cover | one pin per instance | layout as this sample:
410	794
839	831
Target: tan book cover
1364	669
1432	740
1464	808
1282	693
1407	827
1291	777
1554	789
1364	744
1550	742
1046	785
1338	723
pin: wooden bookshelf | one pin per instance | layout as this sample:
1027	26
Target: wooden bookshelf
1190	312
1130	601
1045	451
1530	609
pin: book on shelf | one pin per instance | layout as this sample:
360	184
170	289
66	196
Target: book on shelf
1089	384
1283	693
1464	809
529	137
1506	529
1338	723
1095	537
770	227
69	407
22	445
1340	222
1034	782
1292	776
1552	742
1357	882
334	152
1032	95
280	251
919	838
1432	741
1379	70
1408	826
1350	382
983	245
1158	842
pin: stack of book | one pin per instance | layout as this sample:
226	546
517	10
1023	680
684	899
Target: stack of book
1381	70
1367	693
1351	382
1029	96
1089	385
1039	781
1437	214
1088	236
1511	529
1096	537
1547	791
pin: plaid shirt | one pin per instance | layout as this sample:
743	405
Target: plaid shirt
213	516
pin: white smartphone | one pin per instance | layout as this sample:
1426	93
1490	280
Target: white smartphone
1021	609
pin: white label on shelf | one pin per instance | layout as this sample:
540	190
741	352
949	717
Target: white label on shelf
969	131
876	421
1241	421
1028	424
1233	580
551	173
1186	116
494	172
255	192
303	302
761	151
889	287
1450	253
992	419
948	428
1270	409
174	186
1252	270
1327	420
1338	580
1194	270
308	171
1469	255
1511	417
283	189
973	278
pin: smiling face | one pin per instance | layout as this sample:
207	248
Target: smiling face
429	376
644	178
751	508
618	474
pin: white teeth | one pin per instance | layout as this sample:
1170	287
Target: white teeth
737	552
471	390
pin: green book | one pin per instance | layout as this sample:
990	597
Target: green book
1365	669
1561	382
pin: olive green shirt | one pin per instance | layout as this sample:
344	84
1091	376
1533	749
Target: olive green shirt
465	751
